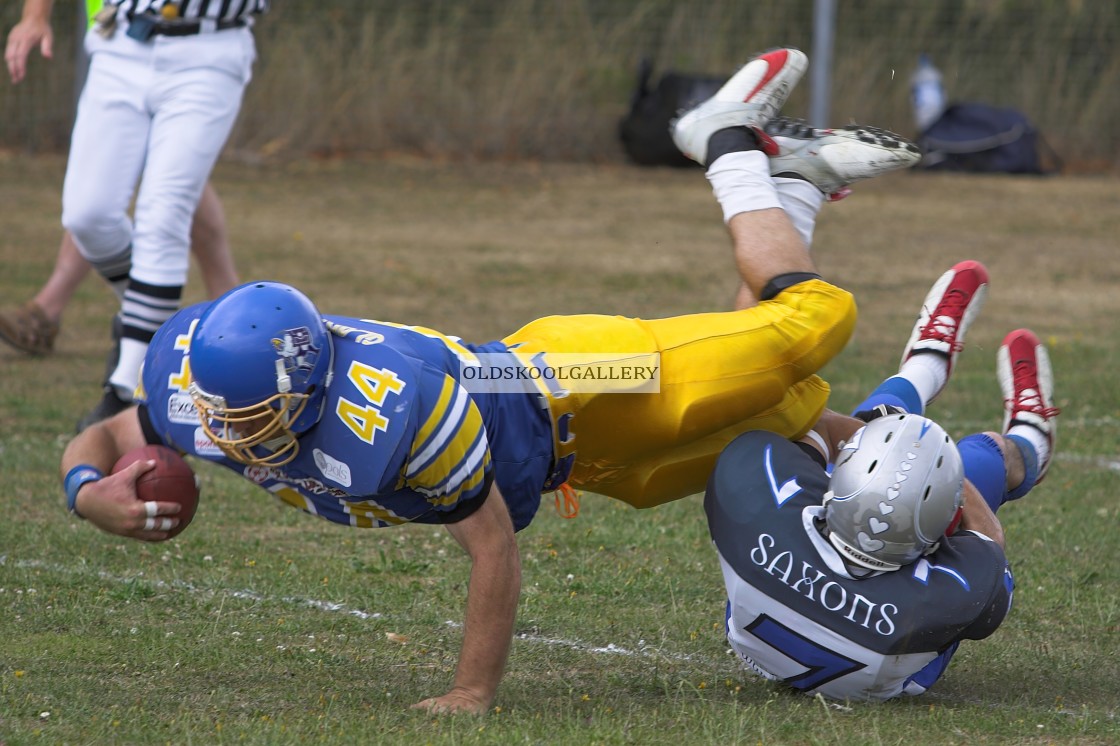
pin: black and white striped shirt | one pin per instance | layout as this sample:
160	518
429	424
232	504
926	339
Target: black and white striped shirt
193	10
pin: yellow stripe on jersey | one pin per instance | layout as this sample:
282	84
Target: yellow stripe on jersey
468	477
438	412
454	344
363	513
292	497
449	421
367	513
451	455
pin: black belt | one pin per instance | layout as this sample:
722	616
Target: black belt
151	25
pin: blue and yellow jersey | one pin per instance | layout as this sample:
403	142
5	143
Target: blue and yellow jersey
399	439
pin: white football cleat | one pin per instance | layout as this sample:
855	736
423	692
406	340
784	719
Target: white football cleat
833	159
751	98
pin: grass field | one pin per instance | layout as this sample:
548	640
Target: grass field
261	625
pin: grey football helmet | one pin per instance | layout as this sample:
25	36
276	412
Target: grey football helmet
895	489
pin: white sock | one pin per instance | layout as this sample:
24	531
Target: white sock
928	372
1034	436
741	182
802	202
126	375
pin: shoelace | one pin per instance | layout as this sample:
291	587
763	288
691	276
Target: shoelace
1028	398
942	324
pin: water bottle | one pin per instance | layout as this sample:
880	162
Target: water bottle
927	95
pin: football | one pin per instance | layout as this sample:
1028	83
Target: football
172	480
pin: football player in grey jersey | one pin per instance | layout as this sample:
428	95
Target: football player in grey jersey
861	584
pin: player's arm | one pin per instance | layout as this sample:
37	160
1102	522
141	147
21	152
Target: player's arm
109	502
977	516
34	28
487	536
450	465
833	430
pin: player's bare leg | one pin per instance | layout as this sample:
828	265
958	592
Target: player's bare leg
210	245
33	326
725	133
69	271
814	165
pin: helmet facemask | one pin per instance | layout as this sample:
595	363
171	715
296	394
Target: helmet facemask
237	431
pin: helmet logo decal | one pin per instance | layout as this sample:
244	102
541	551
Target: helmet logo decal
867	544
298	354
877	526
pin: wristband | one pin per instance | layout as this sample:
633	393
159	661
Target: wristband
75	478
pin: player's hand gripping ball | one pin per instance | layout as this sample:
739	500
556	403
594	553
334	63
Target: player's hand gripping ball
172	480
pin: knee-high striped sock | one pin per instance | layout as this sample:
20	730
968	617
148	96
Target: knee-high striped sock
115	269
143	311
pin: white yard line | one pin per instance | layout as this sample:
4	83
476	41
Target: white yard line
642	650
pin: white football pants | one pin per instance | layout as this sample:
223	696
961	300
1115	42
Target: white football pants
158	112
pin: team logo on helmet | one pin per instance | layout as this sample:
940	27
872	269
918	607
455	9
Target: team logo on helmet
298	353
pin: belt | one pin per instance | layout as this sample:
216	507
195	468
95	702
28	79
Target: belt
156	27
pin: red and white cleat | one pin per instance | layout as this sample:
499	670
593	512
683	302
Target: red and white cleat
1027	382
751	98
948	310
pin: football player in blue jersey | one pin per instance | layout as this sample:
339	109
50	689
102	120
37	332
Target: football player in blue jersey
860	586
372	424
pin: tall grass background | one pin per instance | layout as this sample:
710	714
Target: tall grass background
549	79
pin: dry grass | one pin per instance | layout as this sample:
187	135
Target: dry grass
456	246
486	79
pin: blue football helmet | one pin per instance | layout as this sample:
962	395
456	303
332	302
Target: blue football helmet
260	360
895	489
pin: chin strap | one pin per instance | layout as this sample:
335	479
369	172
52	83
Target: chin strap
956	522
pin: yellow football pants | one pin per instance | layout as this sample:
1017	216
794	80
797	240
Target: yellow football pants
721	374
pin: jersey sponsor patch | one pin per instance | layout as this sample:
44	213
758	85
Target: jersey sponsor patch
203	446
268	476
332	468
180	409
